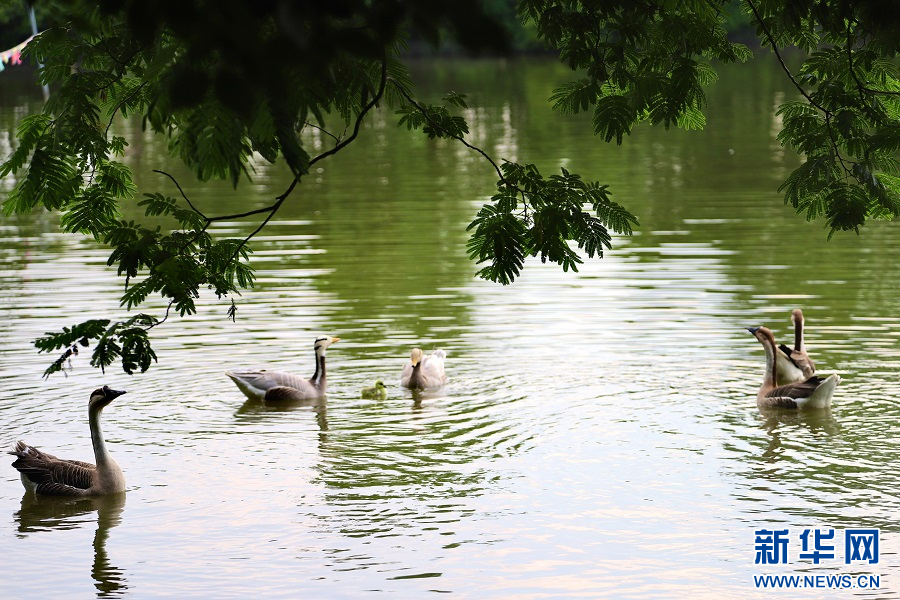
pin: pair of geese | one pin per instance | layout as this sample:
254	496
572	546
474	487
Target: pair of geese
790	381
48	475
422	372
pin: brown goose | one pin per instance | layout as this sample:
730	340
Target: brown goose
50	476
424	372
276	385
794	365
815	392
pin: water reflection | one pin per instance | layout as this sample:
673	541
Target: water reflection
259	411
42	514
776	420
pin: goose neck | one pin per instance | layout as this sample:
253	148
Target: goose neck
101	454
770	379
798	336
318	378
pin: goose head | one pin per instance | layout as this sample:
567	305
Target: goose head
103	396
415	357
797	316
763	334
379	384
322	343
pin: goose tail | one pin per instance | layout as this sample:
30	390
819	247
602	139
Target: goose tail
23	450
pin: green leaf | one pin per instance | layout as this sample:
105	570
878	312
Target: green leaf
92	212
51	180
114	178
575	96
455	99
691	118
497	239
613	118
31	134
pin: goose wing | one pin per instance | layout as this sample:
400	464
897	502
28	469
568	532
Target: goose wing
254	384
797	391
776	402
800	359
264	379
53	476
281	393
433	369
792	395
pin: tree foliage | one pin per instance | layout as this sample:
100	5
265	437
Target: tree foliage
228	81
848	124
650	60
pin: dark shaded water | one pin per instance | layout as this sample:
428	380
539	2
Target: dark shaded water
598	437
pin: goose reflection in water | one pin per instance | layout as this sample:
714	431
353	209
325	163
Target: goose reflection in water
43	514
778	420
254	410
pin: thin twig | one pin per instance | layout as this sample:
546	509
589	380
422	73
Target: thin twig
273	209
118	106
168	308
458	138
336	139
809	98
183	195
784	66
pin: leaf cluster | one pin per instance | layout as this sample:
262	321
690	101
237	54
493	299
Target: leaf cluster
435	121
531	215
123	340
642	61
847	124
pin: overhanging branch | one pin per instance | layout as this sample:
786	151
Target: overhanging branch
827	113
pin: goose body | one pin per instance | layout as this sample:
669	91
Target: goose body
813	393
794	365
278	385
48	475
424	372
376	392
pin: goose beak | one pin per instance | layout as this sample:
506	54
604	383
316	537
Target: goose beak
335	340
112	394
753	330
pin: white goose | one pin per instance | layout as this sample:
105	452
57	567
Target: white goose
277	385
813	393
424	372
50	476
794	365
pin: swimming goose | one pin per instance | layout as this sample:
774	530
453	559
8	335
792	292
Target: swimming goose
815	392
50	476
794	365
424	371
377	392
276	385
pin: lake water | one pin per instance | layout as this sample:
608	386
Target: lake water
599	435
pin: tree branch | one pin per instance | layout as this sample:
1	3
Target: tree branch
279	200
118	106
183	195
784	66
458	138
809	98
336	139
